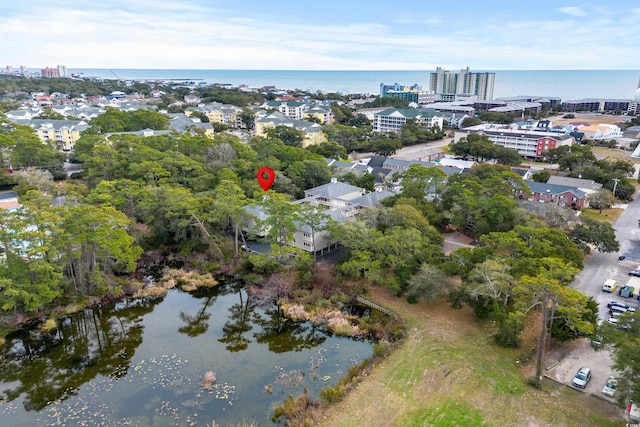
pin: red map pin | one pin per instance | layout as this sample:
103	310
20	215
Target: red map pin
266	176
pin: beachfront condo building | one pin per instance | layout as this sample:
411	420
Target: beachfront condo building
451	86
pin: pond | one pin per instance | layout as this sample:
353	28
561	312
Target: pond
181	360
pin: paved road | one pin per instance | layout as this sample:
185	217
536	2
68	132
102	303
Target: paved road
598	268
409	151
601	266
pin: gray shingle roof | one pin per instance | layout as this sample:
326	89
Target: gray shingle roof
574	182
541	187
333	190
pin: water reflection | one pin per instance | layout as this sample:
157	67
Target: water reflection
143	362
98	342
199	323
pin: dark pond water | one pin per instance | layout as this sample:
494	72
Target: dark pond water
143	363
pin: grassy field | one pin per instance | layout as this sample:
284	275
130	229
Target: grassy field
607	215
448	372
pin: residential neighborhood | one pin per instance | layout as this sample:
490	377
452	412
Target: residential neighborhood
421	196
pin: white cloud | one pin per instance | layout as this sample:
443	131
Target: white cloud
167	34
573	11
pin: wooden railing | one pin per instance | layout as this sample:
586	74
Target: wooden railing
377	307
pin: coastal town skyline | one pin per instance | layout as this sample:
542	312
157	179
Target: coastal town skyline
329	36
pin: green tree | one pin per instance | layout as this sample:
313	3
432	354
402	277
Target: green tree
506	156
95	245
541	176
591	232
385	145
247	117
329	150
548	292
288	135
228	208
491	280
282	215
474	144
428	283
470	121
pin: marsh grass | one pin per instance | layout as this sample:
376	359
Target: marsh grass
188	280
332	318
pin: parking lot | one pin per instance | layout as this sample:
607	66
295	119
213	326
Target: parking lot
562	365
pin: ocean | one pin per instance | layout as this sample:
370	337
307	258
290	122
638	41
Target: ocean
565	84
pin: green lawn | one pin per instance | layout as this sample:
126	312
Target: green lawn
607	215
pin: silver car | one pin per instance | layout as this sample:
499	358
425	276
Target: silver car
609	388
582	377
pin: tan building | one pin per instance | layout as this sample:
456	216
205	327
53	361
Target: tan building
63	133
312	131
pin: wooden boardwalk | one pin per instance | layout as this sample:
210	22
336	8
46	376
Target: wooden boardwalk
377	307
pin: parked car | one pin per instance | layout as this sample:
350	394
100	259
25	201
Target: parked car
582	377
609	285
616	321
620	306
609	388
635	273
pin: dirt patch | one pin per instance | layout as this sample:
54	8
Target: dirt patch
591	118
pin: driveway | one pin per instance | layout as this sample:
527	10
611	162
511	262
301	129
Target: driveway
564	362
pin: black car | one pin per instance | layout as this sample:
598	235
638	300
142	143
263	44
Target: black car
635	273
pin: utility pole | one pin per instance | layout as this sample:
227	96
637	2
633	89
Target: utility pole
615	185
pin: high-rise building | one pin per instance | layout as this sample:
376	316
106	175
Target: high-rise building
49	72
450	86
9	69
62	70
396	87
23	69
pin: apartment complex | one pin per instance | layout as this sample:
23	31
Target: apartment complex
530	143
594	105
392	119
449	86
417	96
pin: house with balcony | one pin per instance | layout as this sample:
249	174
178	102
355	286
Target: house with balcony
392	119
320	112
291	109
313	133
340	201
530	143
225	114
61	133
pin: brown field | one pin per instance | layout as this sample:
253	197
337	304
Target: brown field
449	372
591	118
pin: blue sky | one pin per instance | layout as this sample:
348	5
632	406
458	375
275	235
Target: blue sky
321	35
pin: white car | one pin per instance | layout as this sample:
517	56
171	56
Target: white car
582	377
609	388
